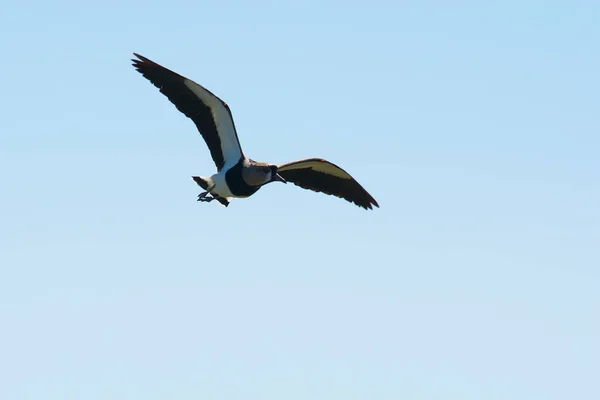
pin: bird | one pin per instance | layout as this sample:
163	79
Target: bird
237	175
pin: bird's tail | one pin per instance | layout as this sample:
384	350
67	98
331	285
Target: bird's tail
203	183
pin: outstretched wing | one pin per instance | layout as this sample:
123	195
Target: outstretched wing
322	176
210	114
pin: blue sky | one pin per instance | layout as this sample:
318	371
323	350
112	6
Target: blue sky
475	126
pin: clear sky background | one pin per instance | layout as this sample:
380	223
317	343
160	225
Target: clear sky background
474	124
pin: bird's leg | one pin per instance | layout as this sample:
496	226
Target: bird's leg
204	196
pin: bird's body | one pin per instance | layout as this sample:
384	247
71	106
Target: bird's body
221	188
238	176
229	182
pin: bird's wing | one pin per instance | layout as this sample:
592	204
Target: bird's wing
322	176
211	115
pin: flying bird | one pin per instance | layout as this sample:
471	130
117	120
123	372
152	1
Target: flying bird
237	175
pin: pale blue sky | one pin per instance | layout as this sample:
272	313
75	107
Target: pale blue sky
474	125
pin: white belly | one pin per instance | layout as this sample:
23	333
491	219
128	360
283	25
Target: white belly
221	188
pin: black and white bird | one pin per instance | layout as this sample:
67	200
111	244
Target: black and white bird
237	175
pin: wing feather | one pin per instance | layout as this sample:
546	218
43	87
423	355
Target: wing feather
209	113
323	176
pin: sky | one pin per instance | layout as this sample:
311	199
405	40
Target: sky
473	124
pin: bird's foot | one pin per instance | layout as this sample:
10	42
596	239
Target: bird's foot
205	197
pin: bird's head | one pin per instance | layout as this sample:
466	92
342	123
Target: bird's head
258	174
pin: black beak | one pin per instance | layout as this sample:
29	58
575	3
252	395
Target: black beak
278	178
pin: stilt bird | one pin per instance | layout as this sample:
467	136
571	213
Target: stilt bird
237	175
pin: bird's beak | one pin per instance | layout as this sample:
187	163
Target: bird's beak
278	178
